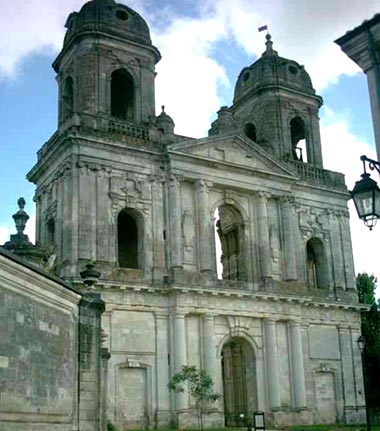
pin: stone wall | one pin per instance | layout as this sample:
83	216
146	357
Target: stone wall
46	381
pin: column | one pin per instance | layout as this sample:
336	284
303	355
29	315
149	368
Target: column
176	240
374	95
264	244
209	352
298	374
288	235
179	356
272	364
162	365
204	223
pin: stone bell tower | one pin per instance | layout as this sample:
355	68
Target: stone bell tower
276	106
106	67
105	73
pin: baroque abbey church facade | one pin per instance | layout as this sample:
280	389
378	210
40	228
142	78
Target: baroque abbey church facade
156	211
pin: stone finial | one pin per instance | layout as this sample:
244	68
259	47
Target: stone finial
269	44
19	243
20	217
164	122
90	275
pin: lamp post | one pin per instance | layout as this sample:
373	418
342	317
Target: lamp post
366	194
361	345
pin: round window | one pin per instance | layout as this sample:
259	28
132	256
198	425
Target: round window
121	14
246	76
293	70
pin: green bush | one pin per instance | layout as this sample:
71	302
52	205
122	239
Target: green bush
111	426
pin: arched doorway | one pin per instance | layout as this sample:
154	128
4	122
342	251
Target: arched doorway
239	382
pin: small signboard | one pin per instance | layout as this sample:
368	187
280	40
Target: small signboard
258	421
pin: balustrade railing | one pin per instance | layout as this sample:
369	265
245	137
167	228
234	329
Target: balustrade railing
319	175
128	129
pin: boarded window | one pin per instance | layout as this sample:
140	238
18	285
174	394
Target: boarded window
122	95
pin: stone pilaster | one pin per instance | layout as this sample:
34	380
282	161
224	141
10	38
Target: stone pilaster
347	251
336	250
288	236
209	352
263	233
162	369
273	382
176	240
179	355
90	362
347	366
298	373
204	228
158	229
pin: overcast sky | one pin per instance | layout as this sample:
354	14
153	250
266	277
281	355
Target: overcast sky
204	45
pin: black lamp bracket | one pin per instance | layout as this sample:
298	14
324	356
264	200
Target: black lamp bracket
372	164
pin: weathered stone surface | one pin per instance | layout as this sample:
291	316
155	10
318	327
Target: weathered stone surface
150	207
48	371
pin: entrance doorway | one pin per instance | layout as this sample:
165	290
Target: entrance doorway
239	382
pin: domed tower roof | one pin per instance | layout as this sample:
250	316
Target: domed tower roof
107	17
269	70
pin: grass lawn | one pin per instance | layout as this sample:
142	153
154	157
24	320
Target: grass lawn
362	427
297	428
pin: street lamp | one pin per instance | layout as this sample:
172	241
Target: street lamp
361	345
366	194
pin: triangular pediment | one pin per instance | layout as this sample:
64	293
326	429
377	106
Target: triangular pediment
234	150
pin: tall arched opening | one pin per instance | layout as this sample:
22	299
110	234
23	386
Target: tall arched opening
129	239
298	138
229	234
315	263
122	95
250	131
239	381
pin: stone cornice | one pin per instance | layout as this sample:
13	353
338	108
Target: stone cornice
309	301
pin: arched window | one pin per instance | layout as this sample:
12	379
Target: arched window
315	263
250	131
230	241
122	95
68	97
298	138
129	235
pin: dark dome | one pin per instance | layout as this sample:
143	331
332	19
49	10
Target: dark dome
107	16
270	70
